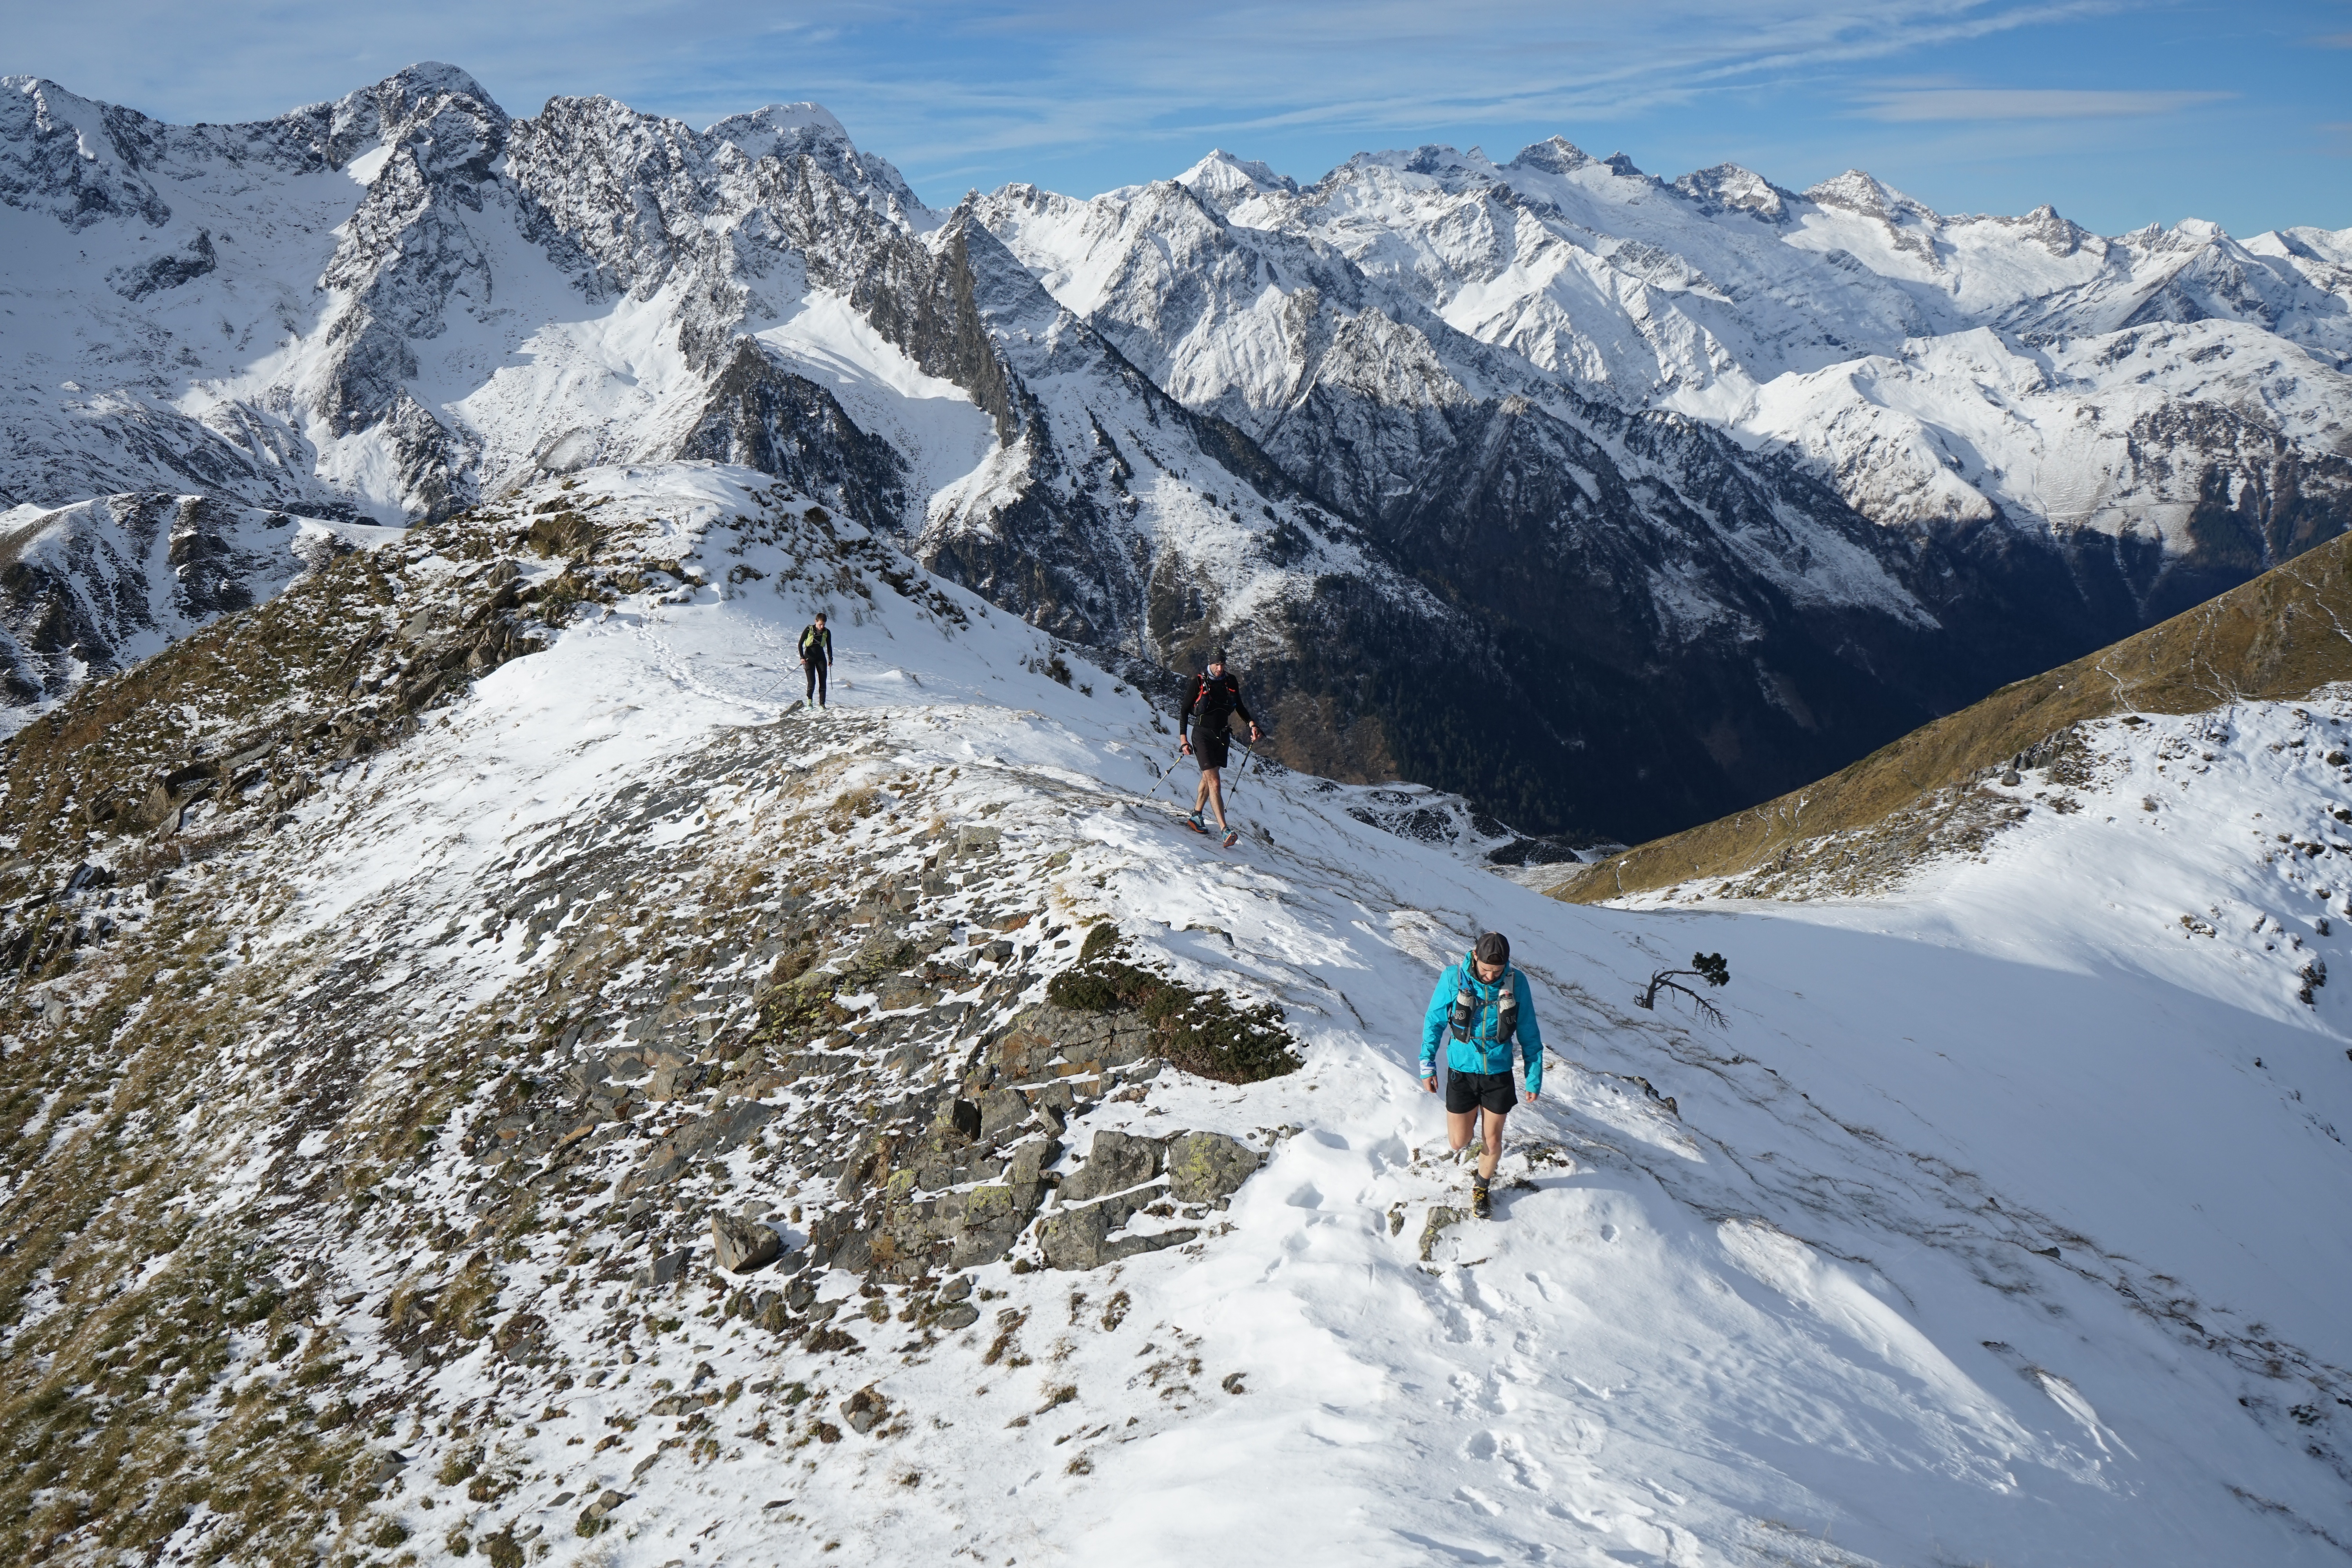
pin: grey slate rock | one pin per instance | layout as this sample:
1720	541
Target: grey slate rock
1080	1238
1205	1166
1116	1161
722	1130
1001	1111
742	1246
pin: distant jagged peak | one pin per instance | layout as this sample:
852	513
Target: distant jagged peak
1553	155
2058	235
434	79
757	132
810	129
1222	177
2188	234
2331	247
411	95
462	126
1859	192
1730	187
1431	159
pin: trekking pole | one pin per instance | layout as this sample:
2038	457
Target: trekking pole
1175	763
1240	772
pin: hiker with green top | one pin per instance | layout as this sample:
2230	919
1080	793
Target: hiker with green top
1482	1005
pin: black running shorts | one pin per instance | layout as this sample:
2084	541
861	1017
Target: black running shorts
1466	1092
1210	747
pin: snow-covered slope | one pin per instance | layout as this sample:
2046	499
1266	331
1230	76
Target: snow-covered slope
97	586
2002	1233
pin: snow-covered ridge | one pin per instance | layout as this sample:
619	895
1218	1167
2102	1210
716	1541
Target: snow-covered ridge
1973	1240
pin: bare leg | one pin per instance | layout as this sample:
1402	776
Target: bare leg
1493	1131
1459	1125
1207	793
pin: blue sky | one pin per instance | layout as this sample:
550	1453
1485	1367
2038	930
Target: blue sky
2120	114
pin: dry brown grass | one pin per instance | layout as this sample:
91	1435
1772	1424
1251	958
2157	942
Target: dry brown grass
2279	638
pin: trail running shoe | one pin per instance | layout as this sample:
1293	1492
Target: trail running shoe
1232	838
1481	1205
1196	825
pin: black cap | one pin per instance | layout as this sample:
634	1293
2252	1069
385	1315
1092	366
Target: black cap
1493	948
1218	656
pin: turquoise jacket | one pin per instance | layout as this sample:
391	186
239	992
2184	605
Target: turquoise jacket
1482	1052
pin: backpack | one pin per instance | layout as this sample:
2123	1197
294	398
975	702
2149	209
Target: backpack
1466	1005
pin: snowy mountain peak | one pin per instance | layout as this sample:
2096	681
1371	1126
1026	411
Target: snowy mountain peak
1118	415
1554	155
788	131
438	112
1862	193
429	80
1728	187
68	156
1430	159
756	133
1221	179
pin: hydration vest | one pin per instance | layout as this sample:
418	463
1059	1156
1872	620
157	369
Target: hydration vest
1467	1006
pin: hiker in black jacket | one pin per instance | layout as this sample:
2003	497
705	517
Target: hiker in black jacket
816	658
1215	697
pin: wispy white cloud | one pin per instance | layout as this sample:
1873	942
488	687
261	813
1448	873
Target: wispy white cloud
2028	103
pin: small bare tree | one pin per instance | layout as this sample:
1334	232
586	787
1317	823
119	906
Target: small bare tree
1708	966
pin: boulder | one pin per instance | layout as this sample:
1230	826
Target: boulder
1116	1161
1074	1238
721	1129
1205	1166
1001	1111
865	1409
578	1077
1081	1239
743	1245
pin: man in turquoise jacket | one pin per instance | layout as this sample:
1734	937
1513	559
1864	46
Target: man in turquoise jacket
1484	1004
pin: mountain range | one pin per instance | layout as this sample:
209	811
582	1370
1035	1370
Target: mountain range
1611	502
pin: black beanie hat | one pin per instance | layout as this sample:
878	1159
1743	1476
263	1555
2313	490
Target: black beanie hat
1218	656
1493	948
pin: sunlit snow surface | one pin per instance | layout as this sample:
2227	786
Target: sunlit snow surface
1979	1236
